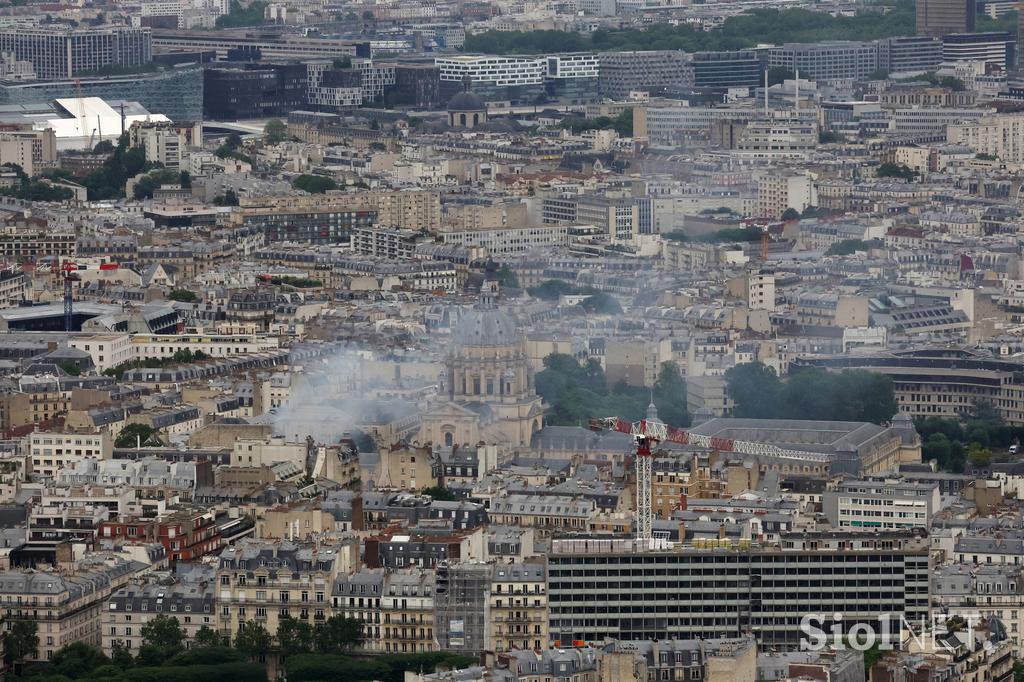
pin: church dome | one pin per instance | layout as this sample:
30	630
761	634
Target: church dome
485	327
466	101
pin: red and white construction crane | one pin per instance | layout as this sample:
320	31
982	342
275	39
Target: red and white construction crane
647	433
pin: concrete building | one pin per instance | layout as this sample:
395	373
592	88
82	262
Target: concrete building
998	49
655	71
51	451
494	78
886	504
33	150
779	191
715	594
829	60
1000	135
67	53
942	17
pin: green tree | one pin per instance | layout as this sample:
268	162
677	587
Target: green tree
254	641
551	290
121	656
77	660
1018	671
847	247
20	642
601	303
275	131
507	278
135	434
294	637
239	16
754	388
164	635
207	637
979	456
899	171
439	492
670	395
791	214
229	198
314	184
182	295
829	137
338	634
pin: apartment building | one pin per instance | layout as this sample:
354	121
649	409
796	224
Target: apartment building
129	608
66	53
886	504
407	607
67	606
186	535
33	150
518	602
357	595
684	592
51	451
783	190
1000	135
266	580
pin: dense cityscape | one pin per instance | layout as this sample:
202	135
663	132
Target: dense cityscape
511	341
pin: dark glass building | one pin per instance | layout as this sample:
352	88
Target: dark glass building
724	70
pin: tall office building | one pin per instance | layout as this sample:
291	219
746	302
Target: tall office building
603	588
67	53
941	17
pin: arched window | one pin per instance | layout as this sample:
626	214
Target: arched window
462	119
449	439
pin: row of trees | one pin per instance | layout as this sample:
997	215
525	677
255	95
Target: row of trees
308	653
811	393
578	393
745	30
621	124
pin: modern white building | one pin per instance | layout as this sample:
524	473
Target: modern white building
511	241
882	504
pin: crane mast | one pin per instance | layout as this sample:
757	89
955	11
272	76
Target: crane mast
647	433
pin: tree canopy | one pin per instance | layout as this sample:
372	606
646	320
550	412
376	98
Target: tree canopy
621	124
753	27
847	247
242	16
579	392
275	130
811	393
134	434
899	171
314	184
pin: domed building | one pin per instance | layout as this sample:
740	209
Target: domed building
466	110
486	391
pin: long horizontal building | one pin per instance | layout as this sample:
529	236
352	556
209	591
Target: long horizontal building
941	382
622	590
